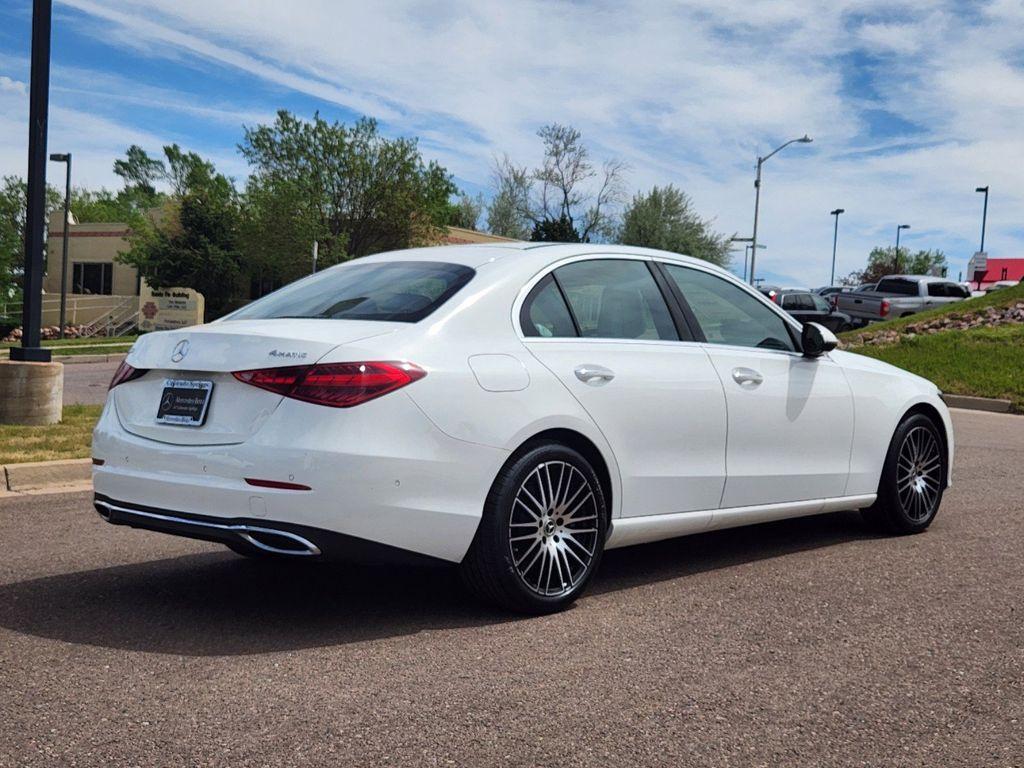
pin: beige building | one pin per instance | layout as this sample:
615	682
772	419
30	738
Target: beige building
93	269
101	289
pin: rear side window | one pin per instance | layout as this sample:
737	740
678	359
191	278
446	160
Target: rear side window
898	286
544	312
403	291
727	314
616	299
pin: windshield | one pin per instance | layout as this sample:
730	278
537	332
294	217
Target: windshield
403	291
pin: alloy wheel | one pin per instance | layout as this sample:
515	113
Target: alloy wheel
918	474
553	528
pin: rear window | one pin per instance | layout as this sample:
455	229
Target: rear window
898	286
403	291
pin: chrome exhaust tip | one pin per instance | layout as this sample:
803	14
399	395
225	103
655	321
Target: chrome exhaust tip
277	542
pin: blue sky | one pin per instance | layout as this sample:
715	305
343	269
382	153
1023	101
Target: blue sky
911	105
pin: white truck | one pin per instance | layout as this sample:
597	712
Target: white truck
899	296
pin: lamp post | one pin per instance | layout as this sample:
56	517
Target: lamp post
31	349
805	139
984	216
64	158
835	240
746	256
896	266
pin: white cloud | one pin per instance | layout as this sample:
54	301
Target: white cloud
687	93
7	85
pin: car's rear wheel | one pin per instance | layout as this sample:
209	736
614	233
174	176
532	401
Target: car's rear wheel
542	533
913	479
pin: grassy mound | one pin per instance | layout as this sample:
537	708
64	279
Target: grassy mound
985	361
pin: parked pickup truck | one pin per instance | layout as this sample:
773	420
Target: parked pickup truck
899	296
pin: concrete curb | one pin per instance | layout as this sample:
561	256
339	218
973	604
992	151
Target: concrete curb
34	475
72	359
977	403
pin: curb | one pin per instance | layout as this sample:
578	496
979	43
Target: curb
72	359
33	475
977	403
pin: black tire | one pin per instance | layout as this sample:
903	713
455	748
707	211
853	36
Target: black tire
552	531
913	479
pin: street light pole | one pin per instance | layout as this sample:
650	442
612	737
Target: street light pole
984	216
64	158
900	227
31	349
805	139
835	240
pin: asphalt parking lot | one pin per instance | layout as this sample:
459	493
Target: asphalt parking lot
804	642
86	383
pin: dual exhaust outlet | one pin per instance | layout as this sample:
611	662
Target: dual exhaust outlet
271	540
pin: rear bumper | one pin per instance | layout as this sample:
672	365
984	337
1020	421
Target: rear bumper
380	473
285	539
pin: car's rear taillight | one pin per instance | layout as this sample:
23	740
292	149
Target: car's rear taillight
883	310
338	385
125	373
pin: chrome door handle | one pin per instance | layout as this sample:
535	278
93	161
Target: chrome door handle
747	376
594	374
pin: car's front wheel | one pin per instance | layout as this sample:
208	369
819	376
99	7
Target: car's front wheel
542	533
913	479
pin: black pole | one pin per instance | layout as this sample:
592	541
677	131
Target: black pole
984	216
64	255
35	215
835	240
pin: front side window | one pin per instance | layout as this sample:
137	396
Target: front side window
727	314
820	304
616	299
798	301
402	291
938	290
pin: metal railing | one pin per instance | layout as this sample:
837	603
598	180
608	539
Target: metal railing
121	319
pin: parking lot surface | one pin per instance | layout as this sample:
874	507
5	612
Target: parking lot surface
805	642
86	383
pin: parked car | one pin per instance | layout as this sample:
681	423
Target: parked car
806	306
1000	284
899	296
513	409
831	290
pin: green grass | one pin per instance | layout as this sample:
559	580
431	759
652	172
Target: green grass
1003	298
93	341
70	439
986	362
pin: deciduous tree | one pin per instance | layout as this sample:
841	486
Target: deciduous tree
664	218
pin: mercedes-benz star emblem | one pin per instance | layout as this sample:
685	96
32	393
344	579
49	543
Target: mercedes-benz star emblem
180	350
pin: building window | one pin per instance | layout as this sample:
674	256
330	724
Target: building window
92	278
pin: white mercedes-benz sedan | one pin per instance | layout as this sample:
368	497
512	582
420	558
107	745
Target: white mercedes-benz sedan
515	409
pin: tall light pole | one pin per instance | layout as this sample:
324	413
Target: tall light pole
835	240
984	216
805	139
746	257
896	265
64	158
31	349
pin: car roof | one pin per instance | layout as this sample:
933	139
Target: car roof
528	254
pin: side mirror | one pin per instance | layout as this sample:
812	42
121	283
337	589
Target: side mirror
816	340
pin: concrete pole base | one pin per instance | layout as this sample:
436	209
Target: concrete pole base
31	393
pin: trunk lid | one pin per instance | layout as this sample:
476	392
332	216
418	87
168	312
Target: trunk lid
210	353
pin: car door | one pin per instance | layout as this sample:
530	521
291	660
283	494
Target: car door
604	328
790	417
